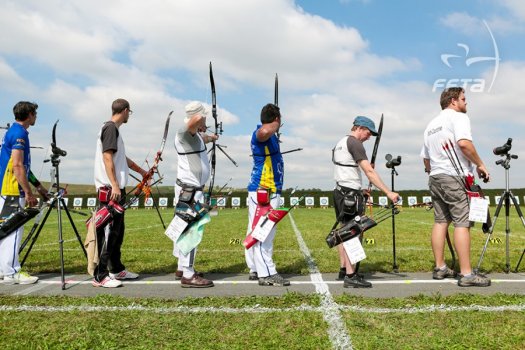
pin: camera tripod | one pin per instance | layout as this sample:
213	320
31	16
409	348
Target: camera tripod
506	197
392	163
57	201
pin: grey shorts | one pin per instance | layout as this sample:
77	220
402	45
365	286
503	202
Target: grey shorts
450	200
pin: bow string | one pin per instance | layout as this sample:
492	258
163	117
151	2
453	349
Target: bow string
144	186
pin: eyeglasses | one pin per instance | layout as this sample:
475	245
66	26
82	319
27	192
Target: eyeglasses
130	111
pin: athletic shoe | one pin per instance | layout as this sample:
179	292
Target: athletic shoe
124	275
20	278
356	281
253	276
439	274
195	282
342	274
273	280
107	282
474	280
179	274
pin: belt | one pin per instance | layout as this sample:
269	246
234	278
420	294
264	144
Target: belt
345	189
185	185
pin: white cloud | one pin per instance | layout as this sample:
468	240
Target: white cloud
156	55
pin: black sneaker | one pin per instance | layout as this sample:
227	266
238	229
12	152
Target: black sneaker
273	280
253	276
439	274
356	281
342	274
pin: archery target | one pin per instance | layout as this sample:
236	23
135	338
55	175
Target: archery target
221	202
163	202
77	202
236	201
427	199
383	200
281	201
309	201
91	202
323	201
148	202
294	200
412	201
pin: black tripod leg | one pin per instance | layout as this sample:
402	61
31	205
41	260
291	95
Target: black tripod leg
34	238
158	211
451	248
519	262
73	226
520	214
489	234
507	232
395	268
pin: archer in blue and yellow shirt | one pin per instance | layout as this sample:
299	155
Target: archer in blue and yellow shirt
268	164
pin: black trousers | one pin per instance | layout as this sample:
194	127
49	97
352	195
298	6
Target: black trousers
109	251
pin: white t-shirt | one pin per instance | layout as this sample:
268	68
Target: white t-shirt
448	126
112	141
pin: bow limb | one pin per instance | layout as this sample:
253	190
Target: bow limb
376	147
213	155
276	102
143	186
53	134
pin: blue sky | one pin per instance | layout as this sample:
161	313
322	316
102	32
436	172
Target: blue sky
335	60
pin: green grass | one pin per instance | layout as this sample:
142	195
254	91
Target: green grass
147	250
160	325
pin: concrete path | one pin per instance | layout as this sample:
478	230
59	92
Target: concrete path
385	285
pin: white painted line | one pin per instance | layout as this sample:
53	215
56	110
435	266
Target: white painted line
314	281
257	309
337	332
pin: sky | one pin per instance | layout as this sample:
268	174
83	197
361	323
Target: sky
335	60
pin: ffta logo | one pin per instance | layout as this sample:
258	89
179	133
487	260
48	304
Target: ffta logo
472	84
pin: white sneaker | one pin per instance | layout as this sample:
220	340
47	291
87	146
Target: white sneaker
20	278
107	282
124	275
